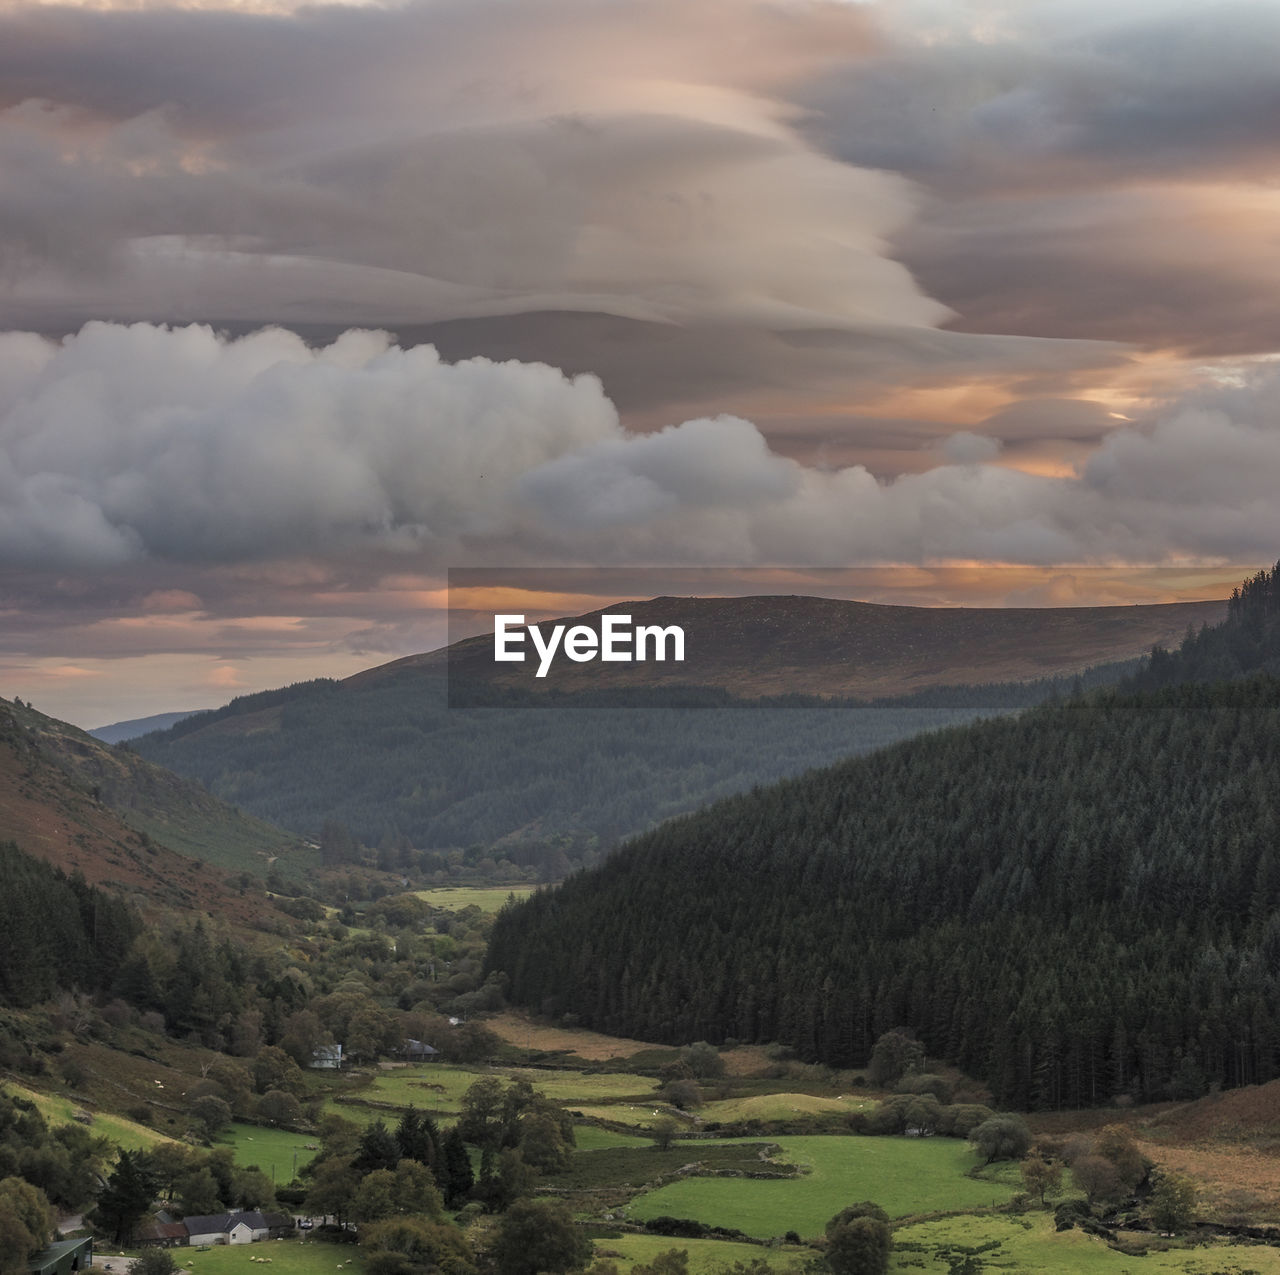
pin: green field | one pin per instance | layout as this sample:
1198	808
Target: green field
706	1257
286	1257
454	898
781	1106
437	1088
903	1175
277	1152
589	1137
123	1132
1029	1244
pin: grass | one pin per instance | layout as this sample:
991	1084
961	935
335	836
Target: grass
1030	1244
635	1117
287	1257
780	1106
438	1089
455	898
589	1137
123	1132
706	1257
634	1166
903	1175
277	1152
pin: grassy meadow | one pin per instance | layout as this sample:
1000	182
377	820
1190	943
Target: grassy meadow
277	1152
124	1132
1030	1245
904	1175
456	898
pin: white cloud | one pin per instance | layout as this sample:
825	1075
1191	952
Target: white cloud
133	444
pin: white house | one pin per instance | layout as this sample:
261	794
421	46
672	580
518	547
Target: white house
241	1227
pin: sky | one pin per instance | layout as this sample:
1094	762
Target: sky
303	305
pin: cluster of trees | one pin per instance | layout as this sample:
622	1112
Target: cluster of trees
186	1179
40	1167
1074	904
1248	642
56	931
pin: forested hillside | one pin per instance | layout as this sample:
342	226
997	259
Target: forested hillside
390	755
1075	904
392	761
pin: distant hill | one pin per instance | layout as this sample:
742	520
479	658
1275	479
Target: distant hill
118	732
1077	903
53	810
383	754
147	799
770	646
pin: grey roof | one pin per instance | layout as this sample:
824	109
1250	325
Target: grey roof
220	1223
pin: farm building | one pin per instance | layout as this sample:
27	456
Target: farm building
235	1228
326	1057
62	1258
417	1051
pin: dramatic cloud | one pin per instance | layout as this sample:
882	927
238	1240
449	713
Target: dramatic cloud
438	160
142	444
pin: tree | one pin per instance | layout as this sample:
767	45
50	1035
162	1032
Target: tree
1040	1176
274	1069
210	1115
480	1119
280	1108
1173	1201
1096	1176
1116	1144
407	1245
896	1054
683	1094
125	1198
535	1237
1003	1137
378	1149
417	1137
664	1130
333	1185
859	1240
703	1060
26	1223
458	1176
542	1145
198	1192
154	1261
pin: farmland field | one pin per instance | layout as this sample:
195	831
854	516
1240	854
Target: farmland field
781	1106
903	1175
1029	1244
454	898
275	1151
287	1257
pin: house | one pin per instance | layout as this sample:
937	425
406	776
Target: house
417	1051
327	1057
162	1233
241	1227
62	1258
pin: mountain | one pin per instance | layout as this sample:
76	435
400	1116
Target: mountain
118	732
112	793
1077	903
770	646
383	753
50	810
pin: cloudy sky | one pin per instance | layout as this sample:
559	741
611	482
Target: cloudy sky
302	305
